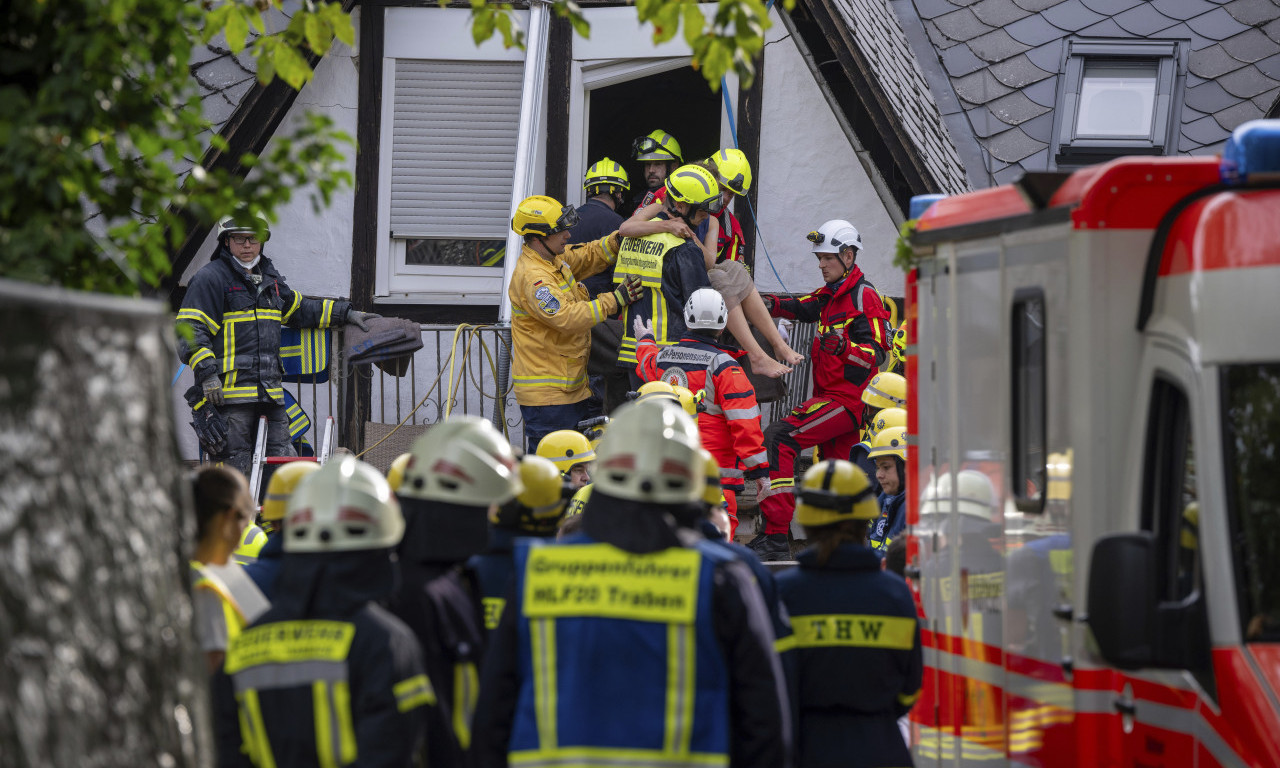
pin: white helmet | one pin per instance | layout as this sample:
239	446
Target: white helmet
705	310
462	460
975	495
651	453
344	506
245	227
834	235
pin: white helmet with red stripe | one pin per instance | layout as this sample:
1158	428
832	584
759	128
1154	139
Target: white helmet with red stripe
344	506
651	453
462	460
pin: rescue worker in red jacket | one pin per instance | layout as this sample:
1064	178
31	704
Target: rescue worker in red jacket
851	342
730	422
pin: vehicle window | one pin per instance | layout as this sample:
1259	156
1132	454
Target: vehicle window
1170	506
1251	452
1028	402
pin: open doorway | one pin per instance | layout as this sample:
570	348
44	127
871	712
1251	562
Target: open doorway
677	101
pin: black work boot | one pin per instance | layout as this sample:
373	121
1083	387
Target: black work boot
771	547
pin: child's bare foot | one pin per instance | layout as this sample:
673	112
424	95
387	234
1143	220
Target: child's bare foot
789	356
764	365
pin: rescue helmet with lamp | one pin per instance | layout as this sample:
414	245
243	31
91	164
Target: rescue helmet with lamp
834	235
542	216
733	171
833	491
656	146
886	390
564	448
651	454
346	506
705	310
462	460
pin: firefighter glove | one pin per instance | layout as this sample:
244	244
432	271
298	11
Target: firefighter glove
628	292
357	318
833	342
212	389
641	329
211	428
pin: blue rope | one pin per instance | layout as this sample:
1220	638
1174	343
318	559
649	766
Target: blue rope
181	368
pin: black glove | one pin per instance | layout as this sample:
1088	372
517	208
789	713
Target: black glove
211	429
357	318
212	390
628	292
833	343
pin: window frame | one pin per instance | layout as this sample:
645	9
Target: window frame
1169	432
1072	149
1019	440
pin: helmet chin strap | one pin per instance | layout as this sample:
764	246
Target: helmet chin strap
683	217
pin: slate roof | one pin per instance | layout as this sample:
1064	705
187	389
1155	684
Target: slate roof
1001	62
876	31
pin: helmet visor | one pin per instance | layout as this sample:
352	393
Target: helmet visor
646	145
568	218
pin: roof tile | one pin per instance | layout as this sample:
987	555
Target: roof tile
980	87
1272	29
960	61
1246	83
1015	108
1232	117
984	123
1251	46
1035	6
1181	31
1013	145
996	46
1270	66
1033	30
1209	98
1189	146
1109	7
1048	56
1104	28
928	9
1204	131
1183	9
1216	24
964	3
998	13
961	25
1037	162
1044	93
1252	12
1212	62
1267	101
1071	15
940	41
1039	128
1143	20
1018	72
1008	174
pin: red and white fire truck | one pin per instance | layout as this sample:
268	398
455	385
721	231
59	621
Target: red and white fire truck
1094	500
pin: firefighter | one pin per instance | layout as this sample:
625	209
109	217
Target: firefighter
234	307
552	315
730	423
395	473
535	511
658	152
327	676
460	472
250	544
856	638
224	599
624	645
669	266
889	452
284	481
851	342
572	454
882	420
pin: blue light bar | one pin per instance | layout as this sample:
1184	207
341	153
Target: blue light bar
1252	154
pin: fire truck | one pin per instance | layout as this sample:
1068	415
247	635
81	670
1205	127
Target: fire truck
1094	479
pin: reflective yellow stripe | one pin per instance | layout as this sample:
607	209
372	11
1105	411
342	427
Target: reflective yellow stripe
324	730
493	607
413	693
202	354
466	684
543	646
346	726
604	757
260	749
854	630
784	644
195	315
326	314
680	678
290	641
907	700
293	307
542	381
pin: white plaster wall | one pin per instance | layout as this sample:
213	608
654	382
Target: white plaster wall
808	174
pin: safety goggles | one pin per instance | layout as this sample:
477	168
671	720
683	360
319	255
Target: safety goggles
244	239
644	145
735	186
568	218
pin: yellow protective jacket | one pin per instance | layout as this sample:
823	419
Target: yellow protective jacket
551	319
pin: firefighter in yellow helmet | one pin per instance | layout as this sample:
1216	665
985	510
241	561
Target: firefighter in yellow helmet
658	153
857	640
327	676
572	454
535	511
889	452
251	543
284	481
552	315
616	608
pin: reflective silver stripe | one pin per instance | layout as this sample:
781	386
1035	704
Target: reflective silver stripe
732	474
711	409
835	412
886	396
741	414
591	758
265	677
756	459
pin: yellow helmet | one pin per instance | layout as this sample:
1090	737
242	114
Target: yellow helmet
657	146
885	419
688	400
538	508
696	186
833	491
890	442
542	215
732	170
579	500
886	390
900	341
606	173
281	486
565	448
652	389
395	473
251	543
714	494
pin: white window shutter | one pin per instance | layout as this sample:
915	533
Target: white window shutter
455	127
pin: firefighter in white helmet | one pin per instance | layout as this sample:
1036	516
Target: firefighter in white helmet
601	617
460	472
327	676
284	481
857	640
